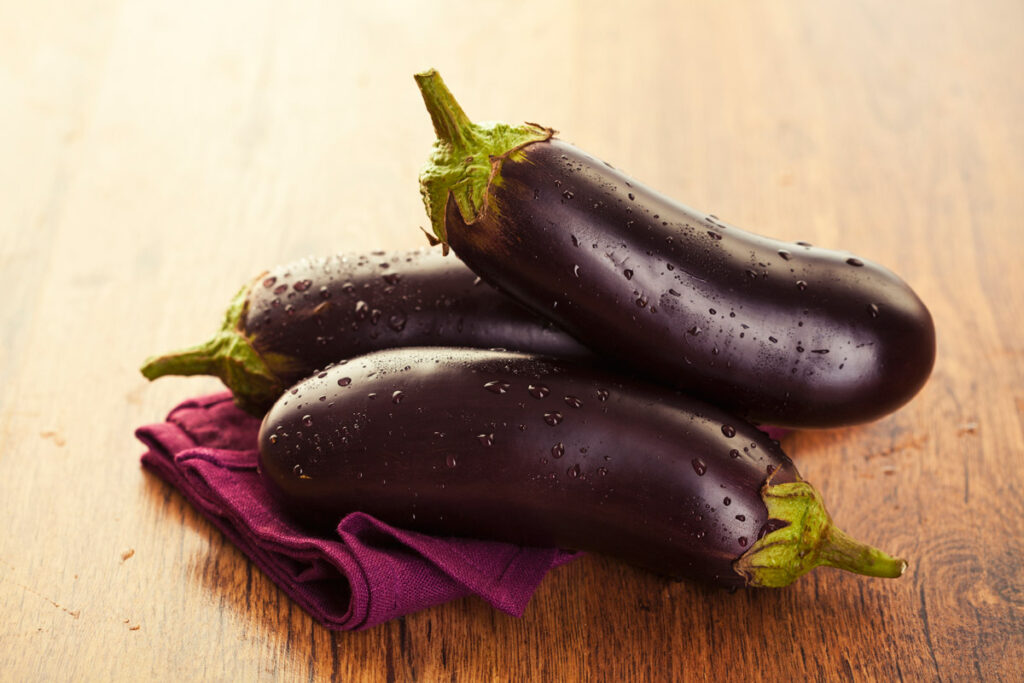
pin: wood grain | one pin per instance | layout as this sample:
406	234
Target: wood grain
156	155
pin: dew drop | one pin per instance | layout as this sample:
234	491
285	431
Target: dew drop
269	282
538	390
631	196
297	470
553	418
602	395
854	261
574	471
485	439
362	310
280	289
785	254
273	439
302	285
576	271
397	322
873	310
729	431
801	285
699	467
344	381
307	420
558	450
743	541
497	386
450	461
391	278
628	274
741	518
397	397
567	194
727	501
573	402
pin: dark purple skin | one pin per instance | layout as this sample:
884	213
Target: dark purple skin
524	449
780	333
324	309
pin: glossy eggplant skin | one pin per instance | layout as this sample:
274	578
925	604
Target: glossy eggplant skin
780	333
525	449
320	310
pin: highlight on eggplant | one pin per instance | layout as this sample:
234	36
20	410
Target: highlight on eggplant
543	452
781	333
297	318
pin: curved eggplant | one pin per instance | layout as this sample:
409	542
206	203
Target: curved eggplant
297	318
780	333
543	452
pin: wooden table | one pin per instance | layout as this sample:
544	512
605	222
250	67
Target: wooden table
156	155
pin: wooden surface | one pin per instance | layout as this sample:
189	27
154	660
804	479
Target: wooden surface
154	156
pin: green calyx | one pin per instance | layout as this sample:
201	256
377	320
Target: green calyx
229	355
466	155
809	540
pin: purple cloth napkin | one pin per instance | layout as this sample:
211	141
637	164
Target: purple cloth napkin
369	573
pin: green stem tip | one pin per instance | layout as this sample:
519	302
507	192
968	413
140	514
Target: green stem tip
810	539
451	124
466	155
229	355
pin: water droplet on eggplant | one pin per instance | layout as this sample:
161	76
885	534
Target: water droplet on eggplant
497	386
538	390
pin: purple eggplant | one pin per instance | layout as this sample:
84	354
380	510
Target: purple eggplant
543	452
780	333
297	318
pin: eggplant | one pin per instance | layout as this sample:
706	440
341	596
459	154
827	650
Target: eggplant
295	319
544	452
779	333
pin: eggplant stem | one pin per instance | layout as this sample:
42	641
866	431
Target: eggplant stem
809	539
201	359
450	121
466	155
255	380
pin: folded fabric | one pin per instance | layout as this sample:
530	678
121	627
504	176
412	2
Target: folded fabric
369	572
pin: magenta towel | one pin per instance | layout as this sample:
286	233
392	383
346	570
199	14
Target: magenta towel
369	573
